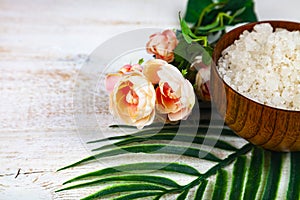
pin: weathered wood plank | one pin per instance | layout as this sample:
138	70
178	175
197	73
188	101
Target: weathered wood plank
43	44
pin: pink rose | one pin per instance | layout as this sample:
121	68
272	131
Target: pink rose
132	100
174	94
162	45
202	82
112	78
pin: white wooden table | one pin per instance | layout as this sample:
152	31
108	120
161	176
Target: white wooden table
43	44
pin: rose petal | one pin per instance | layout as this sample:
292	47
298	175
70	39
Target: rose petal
180	115
151	69
111	80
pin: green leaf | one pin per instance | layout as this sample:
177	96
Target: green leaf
185	31
220	185
171	137
158	197
272	184
183	195
212	16
144	132
237	13
195	8
294	184
236	192
189	36
184	72
223	163
202	129
151	131
248	15
157	181
212	25
135	167
254	174
201	189
137	195
217	29
149	148
128	178
141	61
123	188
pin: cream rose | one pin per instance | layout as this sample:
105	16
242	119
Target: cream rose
174	94
132	100
162	45
112	78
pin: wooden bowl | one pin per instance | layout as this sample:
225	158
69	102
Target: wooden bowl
265	126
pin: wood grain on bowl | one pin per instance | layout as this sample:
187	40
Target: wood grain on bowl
265	126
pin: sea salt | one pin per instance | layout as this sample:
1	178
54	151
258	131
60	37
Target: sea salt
264	65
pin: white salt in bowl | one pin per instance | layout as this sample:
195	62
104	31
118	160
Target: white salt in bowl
270	126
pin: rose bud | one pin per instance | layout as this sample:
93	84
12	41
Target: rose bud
162	45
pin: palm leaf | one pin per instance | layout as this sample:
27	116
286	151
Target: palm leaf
294	184
171	137
201	129
124	188
145	185
149	148
201	189
254	174
128	178
239	170
273	176
183	195
147	166
259	181
137	195
220	185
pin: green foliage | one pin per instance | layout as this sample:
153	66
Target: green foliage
201	189
158	166
184	72
239	170
220	185
210	19
236	182
125	188
141	61
254	174
189	36
195	8
272	184
204	12
294	184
